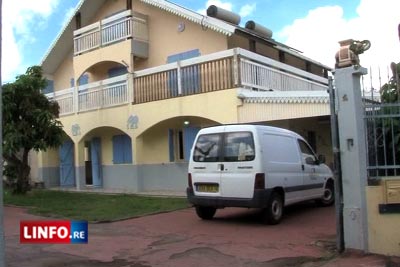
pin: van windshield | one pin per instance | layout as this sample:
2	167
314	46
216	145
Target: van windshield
237	146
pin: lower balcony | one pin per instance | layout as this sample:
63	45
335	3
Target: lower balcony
235	68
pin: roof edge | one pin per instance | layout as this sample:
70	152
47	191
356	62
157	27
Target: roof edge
205	21
61	32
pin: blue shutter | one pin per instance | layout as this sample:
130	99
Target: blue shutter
189	134
114	72
190	75
67	165
122	149
127	149
96	161
84	79
118	146
171	145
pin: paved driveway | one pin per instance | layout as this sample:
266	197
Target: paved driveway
235	237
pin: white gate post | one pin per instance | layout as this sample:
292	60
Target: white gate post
353	156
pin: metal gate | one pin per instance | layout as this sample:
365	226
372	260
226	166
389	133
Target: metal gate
382	128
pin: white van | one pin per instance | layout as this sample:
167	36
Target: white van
255	166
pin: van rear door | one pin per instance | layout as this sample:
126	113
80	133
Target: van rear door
238	157
205	166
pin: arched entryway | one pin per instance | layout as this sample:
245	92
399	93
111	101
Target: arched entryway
105	150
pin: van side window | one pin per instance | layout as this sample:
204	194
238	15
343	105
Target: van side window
306	151
239	146
206	148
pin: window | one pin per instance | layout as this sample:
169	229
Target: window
122	149
49	87
306	151
117	71
312	139
207	147
237	146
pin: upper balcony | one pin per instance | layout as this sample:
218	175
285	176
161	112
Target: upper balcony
235	68
116	28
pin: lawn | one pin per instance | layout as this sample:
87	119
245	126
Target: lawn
90	206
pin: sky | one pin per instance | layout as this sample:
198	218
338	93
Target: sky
312	26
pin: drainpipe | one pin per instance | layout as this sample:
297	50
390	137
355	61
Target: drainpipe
337	172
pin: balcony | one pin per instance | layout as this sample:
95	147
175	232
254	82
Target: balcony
119	27
93	96
235	68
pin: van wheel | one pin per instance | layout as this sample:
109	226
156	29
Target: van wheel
329	196
274	211
206	213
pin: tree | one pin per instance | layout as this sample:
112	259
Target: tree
390	91
29	123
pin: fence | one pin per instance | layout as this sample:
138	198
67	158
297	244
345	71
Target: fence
382	128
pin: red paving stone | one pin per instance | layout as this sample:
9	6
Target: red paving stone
235	237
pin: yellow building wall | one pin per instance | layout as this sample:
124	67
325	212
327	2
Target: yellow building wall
64	73
109	8
383	229
219	107
49	158
115	53
166	40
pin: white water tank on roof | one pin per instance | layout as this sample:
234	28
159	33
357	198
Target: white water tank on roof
223	14
257	28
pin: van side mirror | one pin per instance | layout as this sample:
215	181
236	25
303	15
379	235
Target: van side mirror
310	161
321	159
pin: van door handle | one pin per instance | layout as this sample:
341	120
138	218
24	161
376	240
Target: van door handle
221	167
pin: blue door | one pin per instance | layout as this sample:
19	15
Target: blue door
189	134
96	161
67	166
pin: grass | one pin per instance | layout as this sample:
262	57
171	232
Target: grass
92	207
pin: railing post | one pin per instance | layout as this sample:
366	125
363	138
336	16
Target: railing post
179	78
130	87
236	68
75	101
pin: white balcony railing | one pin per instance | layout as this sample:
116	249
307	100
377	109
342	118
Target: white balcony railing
235	68
110	30
106	93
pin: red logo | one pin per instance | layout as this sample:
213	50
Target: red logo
45	232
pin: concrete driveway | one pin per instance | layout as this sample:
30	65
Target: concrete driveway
306	237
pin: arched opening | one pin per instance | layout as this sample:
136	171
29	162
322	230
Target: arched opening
104	150
102	71
170	141
104	84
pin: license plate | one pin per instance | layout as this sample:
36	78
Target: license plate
208	188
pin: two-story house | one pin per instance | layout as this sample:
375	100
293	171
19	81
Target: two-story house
137	79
